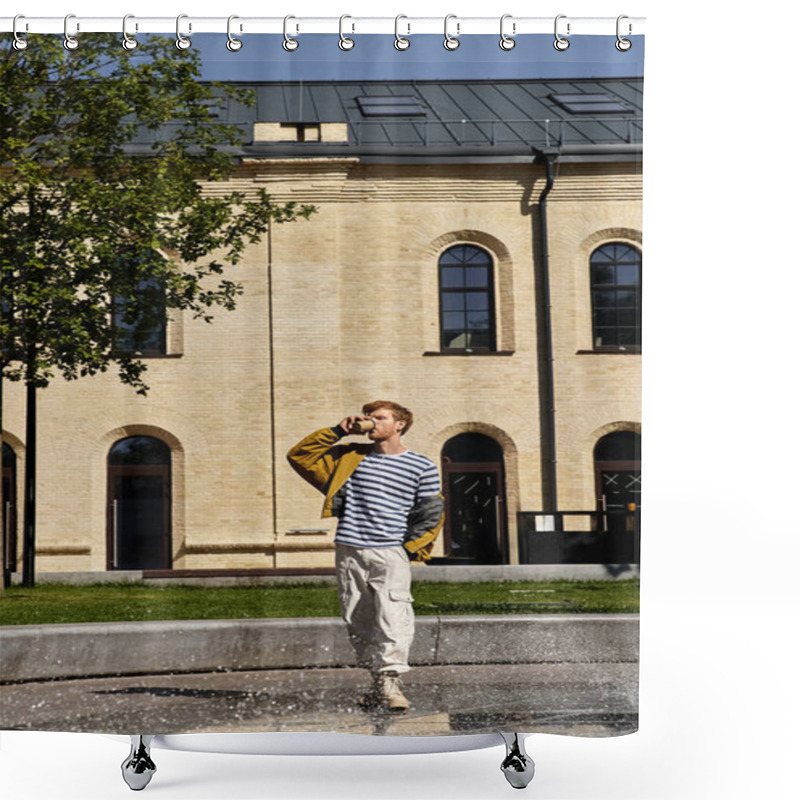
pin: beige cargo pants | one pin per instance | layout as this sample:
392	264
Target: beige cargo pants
375	599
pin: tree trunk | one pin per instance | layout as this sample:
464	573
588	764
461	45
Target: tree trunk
29	534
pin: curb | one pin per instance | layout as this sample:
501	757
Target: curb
434	573
46	652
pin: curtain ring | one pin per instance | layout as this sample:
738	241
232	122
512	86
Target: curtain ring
560	43
70	42
289	44
506	42
400	42
451	42
344	42
233	44
181	41
19	42
128	42
623	44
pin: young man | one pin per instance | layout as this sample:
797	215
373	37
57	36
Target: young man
390	509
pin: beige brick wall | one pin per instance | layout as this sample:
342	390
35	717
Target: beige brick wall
596	393
354	312
300	132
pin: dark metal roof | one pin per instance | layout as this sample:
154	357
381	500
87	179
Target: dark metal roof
462	119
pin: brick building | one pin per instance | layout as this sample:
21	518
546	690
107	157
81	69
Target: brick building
475	256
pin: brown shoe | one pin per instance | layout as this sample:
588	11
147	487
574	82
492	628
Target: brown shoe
391	692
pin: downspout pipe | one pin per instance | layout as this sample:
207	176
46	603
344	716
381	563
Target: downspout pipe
271	335
547	414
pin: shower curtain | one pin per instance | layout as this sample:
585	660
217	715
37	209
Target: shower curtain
319	221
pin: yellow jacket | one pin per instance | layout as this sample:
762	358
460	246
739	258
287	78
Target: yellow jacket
327	466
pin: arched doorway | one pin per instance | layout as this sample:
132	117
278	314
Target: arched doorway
618	482
474	490
9	507
139	518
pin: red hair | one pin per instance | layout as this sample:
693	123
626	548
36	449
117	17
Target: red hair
400	413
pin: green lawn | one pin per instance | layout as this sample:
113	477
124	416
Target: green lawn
48	604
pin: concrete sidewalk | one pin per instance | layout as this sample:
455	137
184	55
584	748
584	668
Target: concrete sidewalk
44	652
577	699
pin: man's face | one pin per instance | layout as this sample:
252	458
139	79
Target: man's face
386	425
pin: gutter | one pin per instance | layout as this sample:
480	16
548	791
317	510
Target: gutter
435	154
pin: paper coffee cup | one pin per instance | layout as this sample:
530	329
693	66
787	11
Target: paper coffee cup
362	426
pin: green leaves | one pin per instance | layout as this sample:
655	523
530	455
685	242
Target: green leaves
107	155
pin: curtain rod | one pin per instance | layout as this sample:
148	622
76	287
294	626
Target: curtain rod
403	25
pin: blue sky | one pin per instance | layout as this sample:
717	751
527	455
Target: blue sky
374	57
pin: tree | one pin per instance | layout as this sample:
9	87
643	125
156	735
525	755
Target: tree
106	157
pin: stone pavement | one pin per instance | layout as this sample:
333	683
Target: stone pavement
590	699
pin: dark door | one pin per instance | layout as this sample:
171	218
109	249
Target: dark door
620	485
9	508
139	505
474	506
474	489
618	478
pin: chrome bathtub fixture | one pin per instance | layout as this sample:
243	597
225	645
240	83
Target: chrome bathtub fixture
518	766
138	768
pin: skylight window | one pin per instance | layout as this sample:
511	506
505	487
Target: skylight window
390	106
589	103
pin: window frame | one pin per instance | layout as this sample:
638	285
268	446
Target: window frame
488	289
616	288
123	332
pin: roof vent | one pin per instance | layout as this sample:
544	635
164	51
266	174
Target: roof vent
589	103
390	106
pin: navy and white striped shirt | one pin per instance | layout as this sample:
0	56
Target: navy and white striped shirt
379	496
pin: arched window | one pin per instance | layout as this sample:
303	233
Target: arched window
139	515
616	280
466	299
